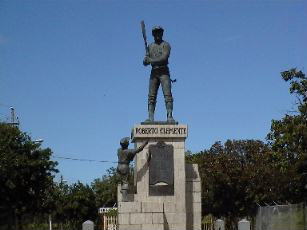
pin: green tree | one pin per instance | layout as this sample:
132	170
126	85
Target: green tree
73	204
239	175
59	197
105	188
288	136
81	204
26	173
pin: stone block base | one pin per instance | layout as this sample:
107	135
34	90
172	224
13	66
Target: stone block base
193	197
179	206
165	215
129	227
150	216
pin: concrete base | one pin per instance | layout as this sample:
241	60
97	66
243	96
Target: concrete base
193	197
180	211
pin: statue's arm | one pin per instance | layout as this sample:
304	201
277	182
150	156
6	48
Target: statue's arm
146	60
139	149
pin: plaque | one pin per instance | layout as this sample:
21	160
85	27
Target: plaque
161	169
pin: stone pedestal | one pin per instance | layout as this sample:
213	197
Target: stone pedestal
168	191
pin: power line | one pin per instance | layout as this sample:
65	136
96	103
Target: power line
4	105
89	160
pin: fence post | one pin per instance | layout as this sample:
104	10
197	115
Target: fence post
104	222
244	225
219	224
305	215
50	222
88	225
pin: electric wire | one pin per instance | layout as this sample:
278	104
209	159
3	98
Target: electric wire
88	160
4	105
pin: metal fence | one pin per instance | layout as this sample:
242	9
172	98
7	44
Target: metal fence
108	219
282	217
208	222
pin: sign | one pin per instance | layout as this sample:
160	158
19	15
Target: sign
161	165
168	131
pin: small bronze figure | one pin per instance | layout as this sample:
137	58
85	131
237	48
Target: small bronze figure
157	54
125	156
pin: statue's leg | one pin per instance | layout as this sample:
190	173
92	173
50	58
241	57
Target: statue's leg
167	92
124	192
152	96
124	188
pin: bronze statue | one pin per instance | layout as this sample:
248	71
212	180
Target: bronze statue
157	54
125	156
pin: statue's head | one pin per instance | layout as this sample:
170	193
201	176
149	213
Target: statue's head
124	142
157	33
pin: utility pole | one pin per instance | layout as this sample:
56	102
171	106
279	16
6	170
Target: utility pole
50	222
14	119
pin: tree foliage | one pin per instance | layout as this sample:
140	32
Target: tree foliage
77	202
239	175
80	204
288	136
105	188
26	173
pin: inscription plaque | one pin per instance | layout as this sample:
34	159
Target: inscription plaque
167	131
161	169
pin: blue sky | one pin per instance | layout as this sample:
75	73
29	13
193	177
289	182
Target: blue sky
73	71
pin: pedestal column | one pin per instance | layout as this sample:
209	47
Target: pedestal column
167	150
